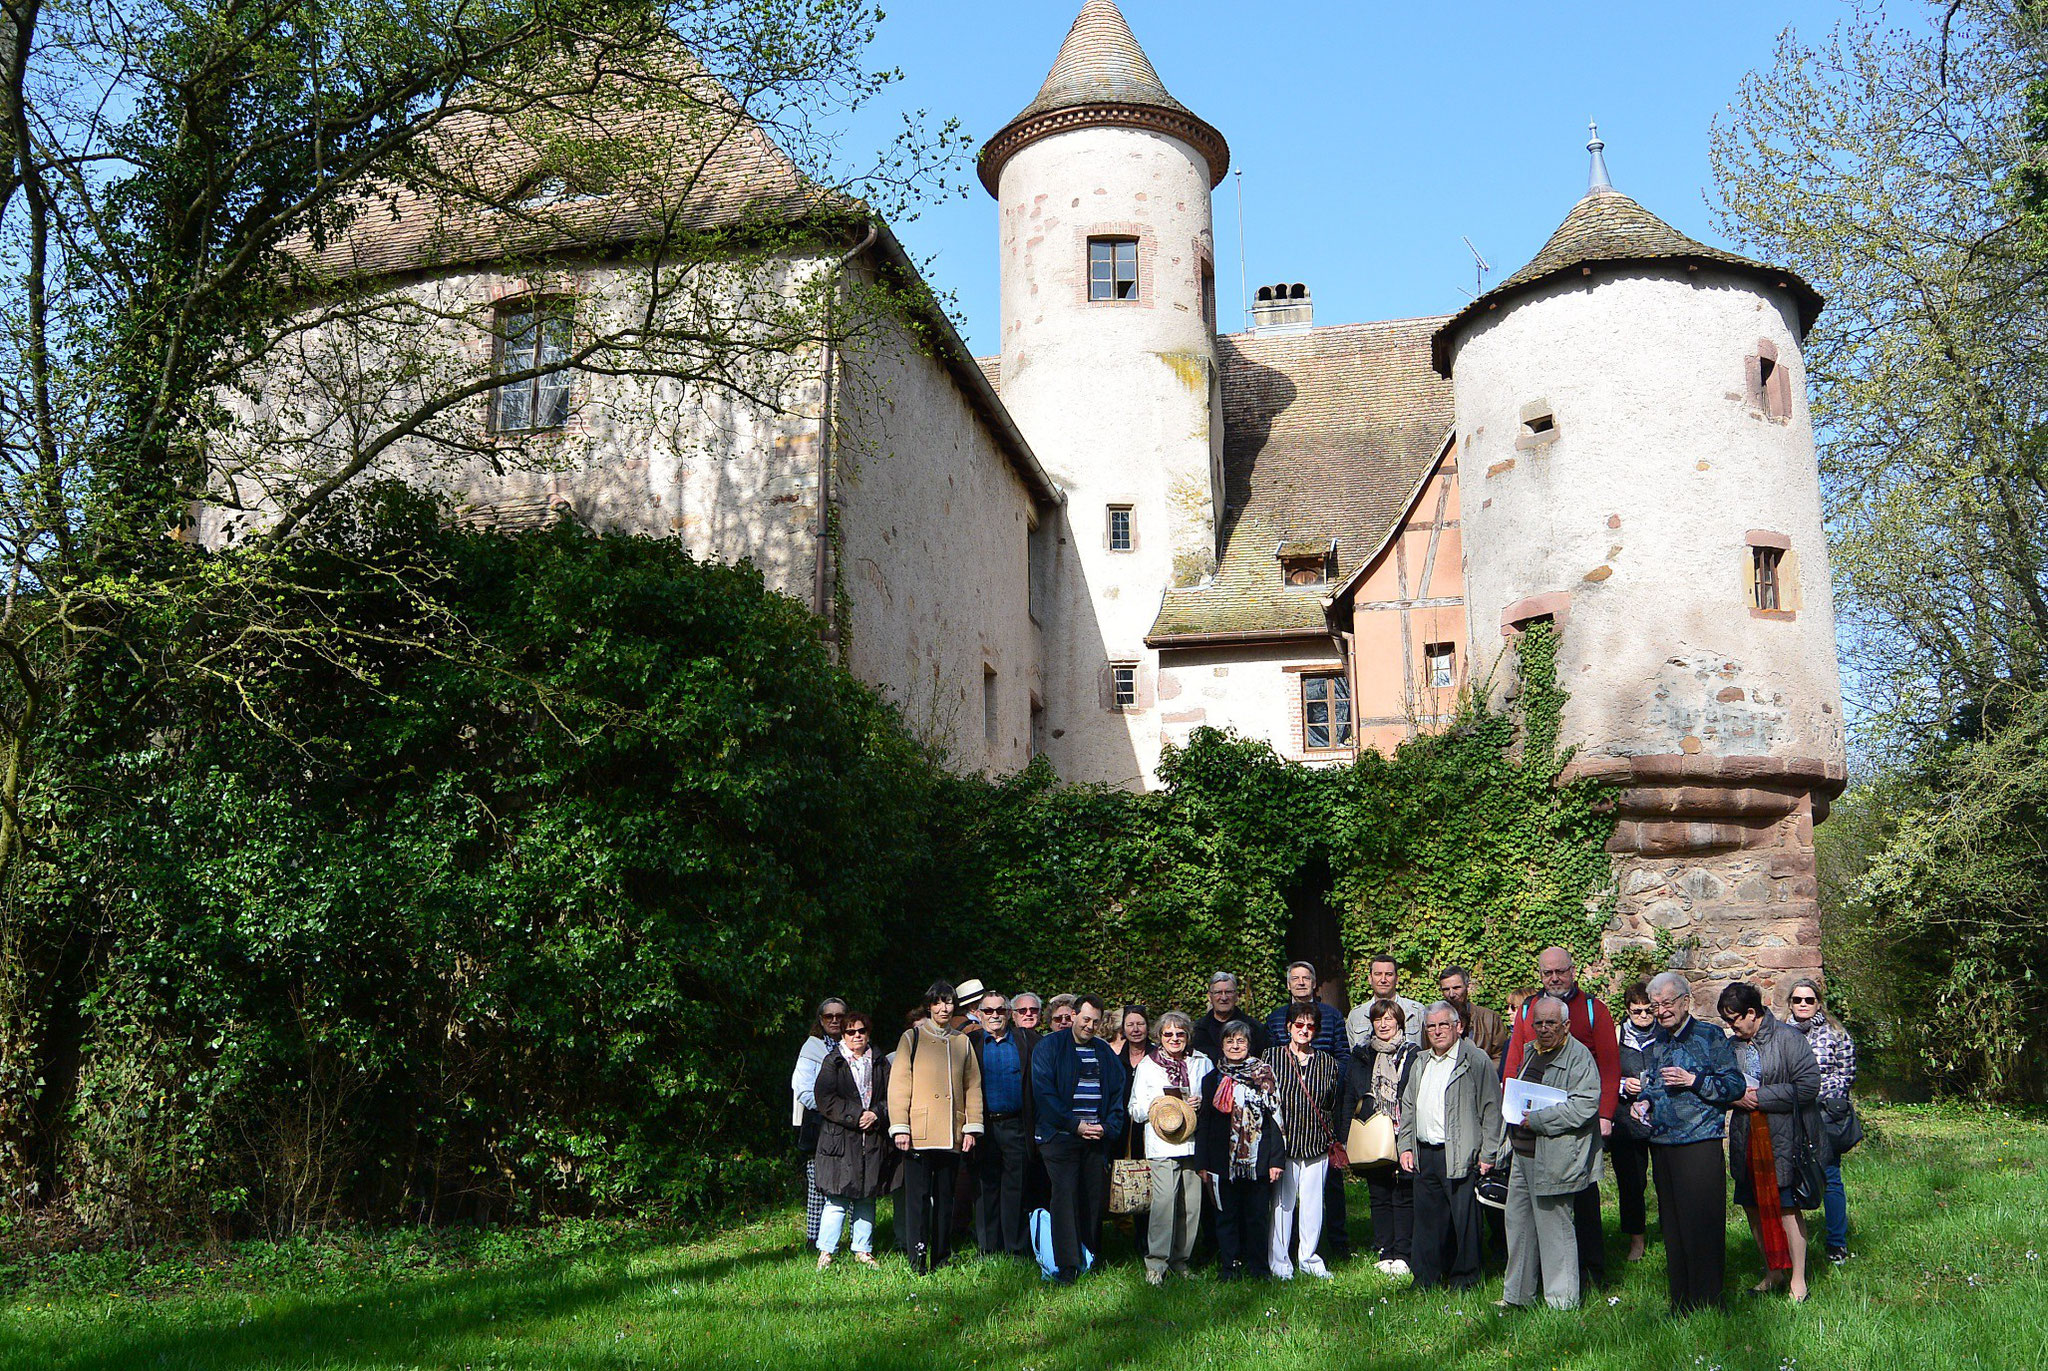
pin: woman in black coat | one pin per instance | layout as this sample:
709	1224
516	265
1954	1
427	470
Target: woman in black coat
1373	1075
853	1140
1239	1150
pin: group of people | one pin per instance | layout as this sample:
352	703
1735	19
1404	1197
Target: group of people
1473	1131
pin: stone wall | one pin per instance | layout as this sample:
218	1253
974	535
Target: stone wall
1737	914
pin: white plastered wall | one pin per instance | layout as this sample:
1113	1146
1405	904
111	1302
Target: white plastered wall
1251	689
1639	511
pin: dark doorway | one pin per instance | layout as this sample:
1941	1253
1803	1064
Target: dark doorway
1313	932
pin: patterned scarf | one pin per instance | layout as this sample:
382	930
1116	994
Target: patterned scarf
1246	1093
1387	1061
1176	1069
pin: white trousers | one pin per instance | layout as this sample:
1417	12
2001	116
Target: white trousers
1300	1183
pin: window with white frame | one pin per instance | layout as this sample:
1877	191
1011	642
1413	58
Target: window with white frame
1442	664
1112	268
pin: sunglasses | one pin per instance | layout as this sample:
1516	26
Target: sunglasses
856	1032
1805	999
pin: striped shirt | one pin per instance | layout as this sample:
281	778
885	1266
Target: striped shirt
1088	1084
1307	1100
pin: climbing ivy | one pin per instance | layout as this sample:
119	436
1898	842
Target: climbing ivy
1461	847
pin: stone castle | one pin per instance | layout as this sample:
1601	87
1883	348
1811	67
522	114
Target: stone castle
1131	525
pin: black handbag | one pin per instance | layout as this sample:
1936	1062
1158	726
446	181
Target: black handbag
1809	1166
1845	1129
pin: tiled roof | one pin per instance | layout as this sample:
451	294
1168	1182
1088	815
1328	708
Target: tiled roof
1102	76
712	168
1326	435
1606	229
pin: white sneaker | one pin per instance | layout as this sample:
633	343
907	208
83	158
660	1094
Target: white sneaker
1397	1267
1385	1266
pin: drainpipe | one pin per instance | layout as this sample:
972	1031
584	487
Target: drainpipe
821	580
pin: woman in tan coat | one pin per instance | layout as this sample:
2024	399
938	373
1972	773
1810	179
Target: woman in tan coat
934	1119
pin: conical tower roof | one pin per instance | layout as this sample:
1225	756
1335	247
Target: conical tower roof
1102	77
1604	230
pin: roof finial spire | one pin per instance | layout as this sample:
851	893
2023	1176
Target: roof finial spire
1596	147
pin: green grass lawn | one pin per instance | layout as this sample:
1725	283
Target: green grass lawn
1949	1212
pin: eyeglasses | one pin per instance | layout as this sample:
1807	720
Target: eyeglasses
1665	1004
856	1032
1173	1033
1806	999
833	1017
1433	1027
1639	1009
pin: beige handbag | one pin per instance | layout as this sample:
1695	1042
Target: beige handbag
1371	1141
1130	1185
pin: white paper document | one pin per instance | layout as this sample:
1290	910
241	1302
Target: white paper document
1518	1097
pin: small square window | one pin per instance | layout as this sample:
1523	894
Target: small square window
1120	528
1442	659
1325	712
1123	685
1112	268
1765	591
531	334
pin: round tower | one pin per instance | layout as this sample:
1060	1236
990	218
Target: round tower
1109	367
1639	469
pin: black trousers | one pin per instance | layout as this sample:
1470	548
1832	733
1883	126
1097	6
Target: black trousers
1692	1208
1336	1240
1592	1241
1446	1242
1241	1221
1002	1161
927	1211
1631	1159
1392	1192
1078	1171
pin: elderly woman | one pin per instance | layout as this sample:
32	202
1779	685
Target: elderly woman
1059	1012
1629	1144
1240	1151
1374	1074
1173	1071
1689	1080
853	1139
1557	1154
934	1119
1310	1081
1781	1103
1836	1052
821	1044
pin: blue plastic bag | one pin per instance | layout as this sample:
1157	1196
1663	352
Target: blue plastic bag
1041	1245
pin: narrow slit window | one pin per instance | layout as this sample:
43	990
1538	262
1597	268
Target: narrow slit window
1442	659
1765	564
1325	712
1112	268
531	336
1120	528
1540	423
990	716
1123	685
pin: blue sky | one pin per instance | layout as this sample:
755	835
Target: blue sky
1372	136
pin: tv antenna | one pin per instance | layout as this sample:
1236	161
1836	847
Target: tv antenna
1480	267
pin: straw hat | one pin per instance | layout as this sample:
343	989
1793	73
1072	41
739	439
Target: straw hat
1172	1118
969	993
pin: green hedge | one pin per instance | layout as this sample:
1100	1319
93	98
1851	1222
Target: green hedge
495	876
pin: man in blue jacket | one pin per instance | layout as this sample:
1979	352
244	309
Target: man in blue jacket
1077	1093
1689	1081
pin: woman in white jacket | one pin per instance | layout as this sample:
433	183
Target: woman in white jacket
1172	1069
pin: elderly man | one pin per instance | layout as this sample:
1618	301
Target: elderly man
1592	1025
1557	1155
1223	998
1301	985
1384	976
1484	1027
1077	1089
1690	1080
1002	1164
1026	1010
1449	1136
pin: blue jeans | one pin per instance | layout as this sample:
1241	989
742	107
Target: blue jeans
1834	1206
834	1217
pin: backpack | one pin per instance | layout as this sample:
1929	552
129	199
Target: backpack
1042	1248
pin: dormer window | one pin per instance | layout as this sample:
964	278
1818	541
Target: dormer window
1112	268
1305	564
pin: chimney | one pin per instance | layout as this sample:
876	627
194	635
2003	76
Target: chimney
1283	309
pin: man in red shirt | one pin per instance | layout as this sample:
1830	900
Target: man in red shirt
1592	1025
